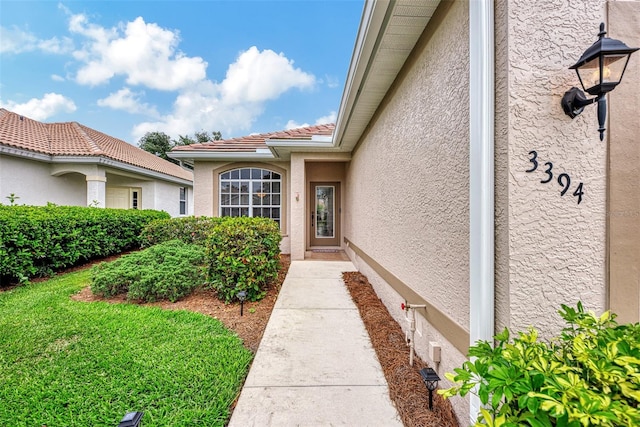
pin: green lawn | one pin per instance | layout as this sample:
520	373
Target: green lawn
67	363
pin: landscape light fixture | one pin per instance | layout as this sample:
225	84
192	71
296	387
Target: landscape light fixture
131	419
430	379
600	70
242	295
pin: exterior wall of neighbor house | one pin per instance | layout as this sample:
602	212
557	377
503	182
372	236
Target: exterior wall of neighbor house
556	248
206	190
408	186
33	183
155	194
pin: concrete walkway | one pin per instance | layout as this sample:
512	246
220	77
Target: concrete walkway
315	365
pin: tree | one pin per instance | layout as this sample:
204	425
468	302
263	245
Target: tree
198	138
157	143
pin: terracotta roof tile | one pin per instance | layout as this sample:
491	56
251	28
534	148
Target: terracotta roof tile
74	139
253	142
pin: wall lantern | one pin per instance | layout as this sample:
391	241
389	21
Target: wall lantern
600	69
430	379
131	419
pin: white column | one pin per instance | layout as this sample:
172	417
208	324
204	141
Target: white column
96	191
297	207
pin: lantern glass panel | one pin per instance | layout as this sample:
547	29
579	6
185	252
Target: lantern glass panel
589	74
614	66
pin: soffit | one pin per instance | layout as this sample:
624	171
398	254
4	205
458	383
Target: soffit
387	35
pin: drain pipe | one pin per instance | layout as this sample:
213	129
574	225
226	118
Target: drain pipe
481	176
412	327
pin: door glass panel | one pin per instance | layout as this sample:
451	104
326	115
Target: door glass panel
325	219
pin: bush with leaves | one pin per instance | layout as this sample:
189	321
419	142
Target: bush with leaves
590	375
38	240
243	254
169	270
188	229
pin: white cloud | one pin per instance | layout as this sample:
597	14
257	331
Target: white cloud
128	101
260	76
15	40
234	104
292	124
57	78
329	118
332	82
41	109
145	54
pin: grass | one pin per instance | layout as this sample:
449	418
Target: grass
68	363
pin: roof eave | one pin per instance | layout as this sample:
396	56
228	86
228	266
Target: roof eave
98	160
371	72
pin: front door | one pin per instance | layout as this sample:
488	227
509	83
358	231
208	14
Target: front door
324	211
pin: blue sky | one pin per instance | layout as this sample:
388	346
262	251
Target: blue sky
129	67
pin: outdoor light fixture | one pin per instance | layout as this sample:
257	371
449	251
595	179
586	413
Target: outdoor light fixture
430	379
242	295
132	419
600	69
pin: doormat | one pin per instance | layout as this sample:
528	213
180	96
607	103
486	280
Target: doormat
325	251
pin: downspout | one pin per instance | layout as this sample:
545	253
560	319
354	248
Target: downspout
481	176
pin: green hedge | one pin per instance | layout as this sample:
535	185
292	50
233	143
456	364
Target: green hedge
188	229
38	240
169	270
243	255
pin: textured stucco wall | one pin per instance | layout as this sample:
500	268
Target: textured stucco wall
33	183
624	170
408	203
556	247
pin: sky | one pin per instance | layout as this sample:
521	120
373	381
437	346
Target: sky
126	68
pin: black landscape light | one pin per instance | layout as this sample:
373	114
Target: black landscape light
131	419
430	379
600	70
242	295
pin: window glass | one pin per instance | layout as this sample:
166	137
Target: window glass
253	192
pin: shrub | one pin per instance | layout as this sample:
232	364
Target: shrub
169	270
38	240
589	375
243	255
188	229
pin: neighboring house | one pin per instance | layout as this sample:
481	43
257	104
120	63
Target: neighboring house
71	164
429	182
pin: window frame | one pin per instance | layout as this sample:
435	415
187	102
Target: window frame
250	181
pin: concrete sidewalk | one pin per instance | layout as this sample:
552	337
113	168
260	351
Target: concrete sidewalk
315	365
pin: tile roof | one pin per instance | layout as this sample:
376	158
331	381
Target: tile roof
74	139
253	142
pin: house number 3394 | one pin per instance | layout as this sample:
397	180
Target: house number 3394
564	180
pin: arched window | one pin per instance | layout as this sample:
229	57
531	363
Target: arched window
251	192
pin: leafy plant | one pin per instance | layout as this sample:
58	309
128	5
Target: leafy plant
38	240
169	270
188	229
243	255
589	375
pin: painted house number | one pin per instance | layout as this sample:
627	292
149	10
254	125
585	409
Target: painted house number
564	180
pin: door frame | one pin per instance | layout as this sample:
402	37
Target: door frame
313	241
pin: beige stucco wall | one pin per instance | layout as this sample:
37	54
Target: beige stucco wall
33	183
556	247
408	204
624	170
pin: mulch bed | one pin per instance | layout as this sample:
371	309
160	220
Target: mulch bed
406	388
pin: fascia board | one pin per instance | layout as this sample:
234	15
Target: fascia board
225	155
371	25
